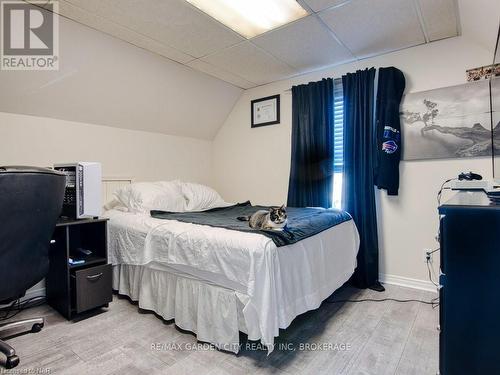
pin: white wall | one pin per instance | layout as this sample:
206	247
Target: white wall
254	163
144	156
105	86
108	82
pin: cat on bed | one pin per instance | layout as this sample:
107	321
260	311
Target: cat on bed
273	219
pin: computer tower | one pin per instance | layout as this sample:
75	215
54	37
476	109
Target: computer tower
82	198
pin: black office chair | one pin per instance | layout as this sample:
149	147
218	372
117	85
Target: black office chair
30	203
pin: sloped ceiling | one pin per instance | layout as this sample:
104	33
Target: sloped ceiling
335	32
191	69
106	81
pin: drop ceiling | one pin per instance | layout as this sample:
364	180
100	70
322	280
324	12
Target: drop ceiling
334	32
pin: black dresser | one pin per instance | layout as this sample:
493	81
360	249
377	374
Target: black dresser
469	339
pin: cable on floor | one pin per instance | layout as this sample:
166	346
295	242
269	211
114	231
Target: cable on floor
17	306
381	300
434	302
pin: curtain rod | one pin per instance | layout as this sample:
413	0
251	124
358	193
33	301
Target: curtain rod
290	89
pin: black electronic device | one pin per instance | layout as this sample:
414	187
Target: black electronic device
469	176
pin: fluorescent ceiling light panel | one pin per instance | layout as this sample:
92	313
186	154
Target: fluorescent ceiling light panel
250	18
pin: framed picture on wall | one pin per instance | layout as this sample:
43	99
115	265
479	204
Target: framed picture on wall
265	111
448	122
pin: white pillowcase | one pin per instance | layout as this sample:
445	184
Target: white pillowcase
142	197
114	204
200	197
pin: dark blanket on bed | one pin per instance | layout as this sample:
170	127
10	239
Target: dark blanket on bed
302	222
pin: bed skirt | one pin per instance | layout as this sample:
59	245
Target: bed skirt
212	312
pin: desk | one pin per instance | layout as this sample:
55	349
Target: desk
73	289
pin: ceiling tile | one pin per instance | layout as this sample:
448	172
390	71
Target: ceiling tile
90	19
440	18
174	22
306	44
318	5
368	29
250	62
221	74
341	31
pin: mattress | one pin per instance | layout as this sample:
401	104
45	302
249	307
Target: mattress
274	284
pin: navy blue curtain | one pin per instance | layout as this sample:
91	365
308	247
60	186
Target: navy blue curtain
311	172
358	195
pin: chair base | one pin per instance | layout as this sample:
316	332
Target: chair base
12	359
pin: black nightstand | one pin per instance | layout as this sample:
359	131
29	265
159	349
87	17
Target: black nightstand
75	288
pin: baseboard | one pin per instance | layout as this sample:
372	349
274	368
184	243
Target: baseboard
407	282
383	278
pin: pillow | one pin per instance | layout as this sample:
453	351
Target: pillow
142	197
200	197
113	204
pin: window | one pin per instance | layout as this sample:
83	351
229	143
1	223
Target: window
338	143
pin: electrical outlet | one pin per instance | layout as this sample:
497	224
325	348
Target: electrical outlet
427	255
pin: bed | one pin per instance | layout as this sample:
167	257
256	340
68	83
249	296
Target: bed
217	282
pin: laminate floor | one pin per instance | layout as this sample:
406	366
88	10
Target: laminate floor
337	338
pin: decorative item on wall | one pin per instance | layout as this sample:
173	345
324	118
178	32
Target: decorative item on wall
450	122
265	111
483	72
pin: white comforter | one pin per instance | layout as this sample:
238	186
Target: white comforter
275	284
